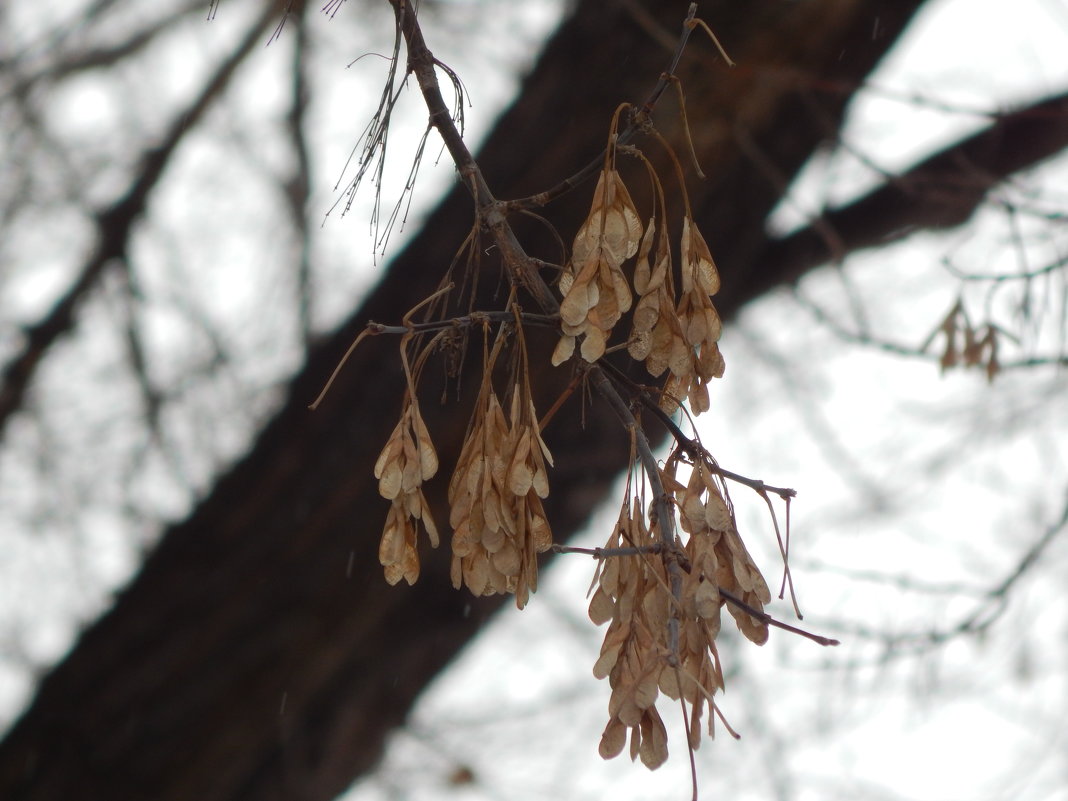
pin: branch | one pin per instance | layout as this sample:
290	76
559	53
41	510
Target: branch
943	191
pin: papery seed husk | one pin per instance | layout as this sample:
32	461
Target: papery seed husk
540	533
490	514
710	361
428	457
392	543
642	271
646	313
653	750
680	360
540	483
760	587
639	345
630	714
623	207
520	478
697	263
713	324
707	600
593	346
390	452
567	278
460	510
661	267
522	595
410	566
565	348
717	515
462	541
576	303
428	522
476	573
602	607
694	734
605	663
493	539
610	577
575	330
698	397
613	739
506	559
657	361
645	691
541	442
389	480
671	395
624	299
410	475
520	473
511	524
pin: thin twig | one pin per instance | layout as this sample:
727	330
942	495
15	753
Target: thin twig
638	122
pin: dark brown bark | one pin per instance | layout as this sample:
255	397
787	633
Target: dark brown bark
259	653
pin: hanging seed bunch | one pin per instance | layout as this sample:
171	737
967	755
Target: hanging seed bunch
596	292
678	336
407	460
661	640
968	345
632	597
716	553
670	332
499	523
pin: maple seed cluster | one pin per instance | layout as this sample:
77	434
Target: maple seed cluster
638	656
405	463
499	524
680	336
495	493
660	596
596	293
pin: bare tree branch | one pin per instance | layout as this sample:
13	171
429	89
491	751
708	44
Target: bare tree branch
942	191
113	226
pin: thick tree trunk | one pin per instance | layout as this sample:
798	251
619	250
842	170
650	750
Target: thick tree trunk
259	653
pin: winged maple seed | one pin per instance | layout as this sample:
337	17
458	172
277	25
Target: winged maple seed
407	460
596	293
499	524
